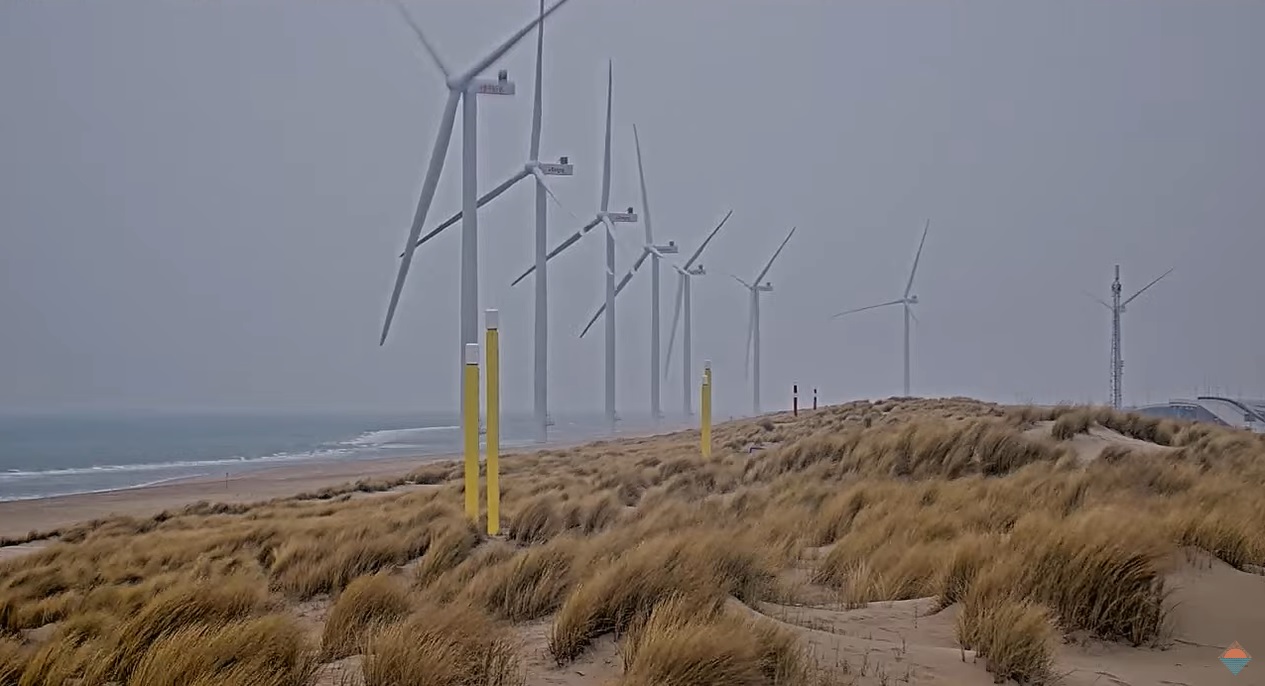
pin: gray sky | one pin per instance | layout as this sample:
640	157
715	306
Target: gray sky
201	203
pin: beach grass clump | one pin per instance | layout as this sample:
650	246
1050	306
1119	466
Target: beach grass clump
367	603
701	640
262	651
531	584
1016	638
700	562
452	645
12	660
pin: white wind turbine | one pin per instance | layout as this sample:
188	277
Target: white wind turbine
753	323
538	170
657	252
684	274
905	300
608	220
464	86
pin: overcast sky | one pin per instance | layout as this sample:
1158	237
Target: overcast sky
201	203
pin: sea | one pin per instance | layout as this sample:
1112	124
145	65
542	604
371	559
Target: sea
43	455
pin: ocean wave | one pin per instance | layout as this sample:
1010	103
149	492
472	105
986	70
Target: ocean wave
156	482
15	474
386	437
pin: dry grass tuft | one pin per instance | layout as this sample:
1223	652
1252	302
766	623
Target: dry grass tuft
697	640
365	604
1015	637
453	645
700	562
266	651
531	584
12	661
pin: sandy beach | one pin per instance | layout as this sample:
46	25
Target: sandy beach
20	517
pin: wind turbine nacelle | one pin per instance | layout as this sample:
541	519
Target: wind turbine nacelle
669	249
628	217
562	167
767	286
697	271
501	85
912	300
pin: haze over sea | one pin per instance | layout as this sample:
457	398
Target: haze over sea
58	454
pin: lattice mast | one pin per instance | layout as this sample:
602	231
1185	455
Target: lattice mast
1117	363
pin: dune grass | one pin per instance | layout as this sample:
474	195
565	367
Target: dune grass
641	540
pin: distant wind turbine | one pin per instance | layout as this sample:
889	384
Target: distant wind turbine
608	220
657	252
464	86
1117	307
538	170
907	300
755	288
685	273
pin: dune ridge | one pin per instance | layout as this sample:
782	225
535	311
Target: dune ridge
945	541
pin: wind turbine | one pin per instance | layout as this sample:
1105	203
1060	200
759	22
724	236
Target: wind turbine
538	170
906	300
608	220
753	323
466	87
684	273
1117	308
657	252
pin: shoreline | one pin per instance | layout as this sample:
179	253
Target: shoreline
20	517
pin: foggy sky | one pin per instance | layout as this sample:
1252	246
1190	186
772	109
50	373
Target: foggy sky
201	203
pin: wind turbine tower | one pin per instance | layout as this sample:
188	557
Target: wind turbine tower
755	288
906	301
538	171
464	89
607	219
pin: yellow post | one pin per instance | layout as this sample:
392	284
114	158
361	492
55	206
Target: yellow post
492	318
470	423
705	409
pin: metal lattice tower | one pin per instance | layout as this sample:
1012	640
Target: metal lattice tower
1117	363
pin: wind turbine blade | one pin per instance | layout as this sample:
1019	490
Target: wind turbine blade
744	283
610	229
554	253
870	307
676	317
1096	299
912	315
422	37
435	168
910	286
606	156
537	106
622	283
641	176
1157	280
487	198
540	179
746	370
699	250
510	42
760	278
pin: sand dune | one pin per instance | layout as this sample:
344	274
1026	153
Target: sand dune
896	542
